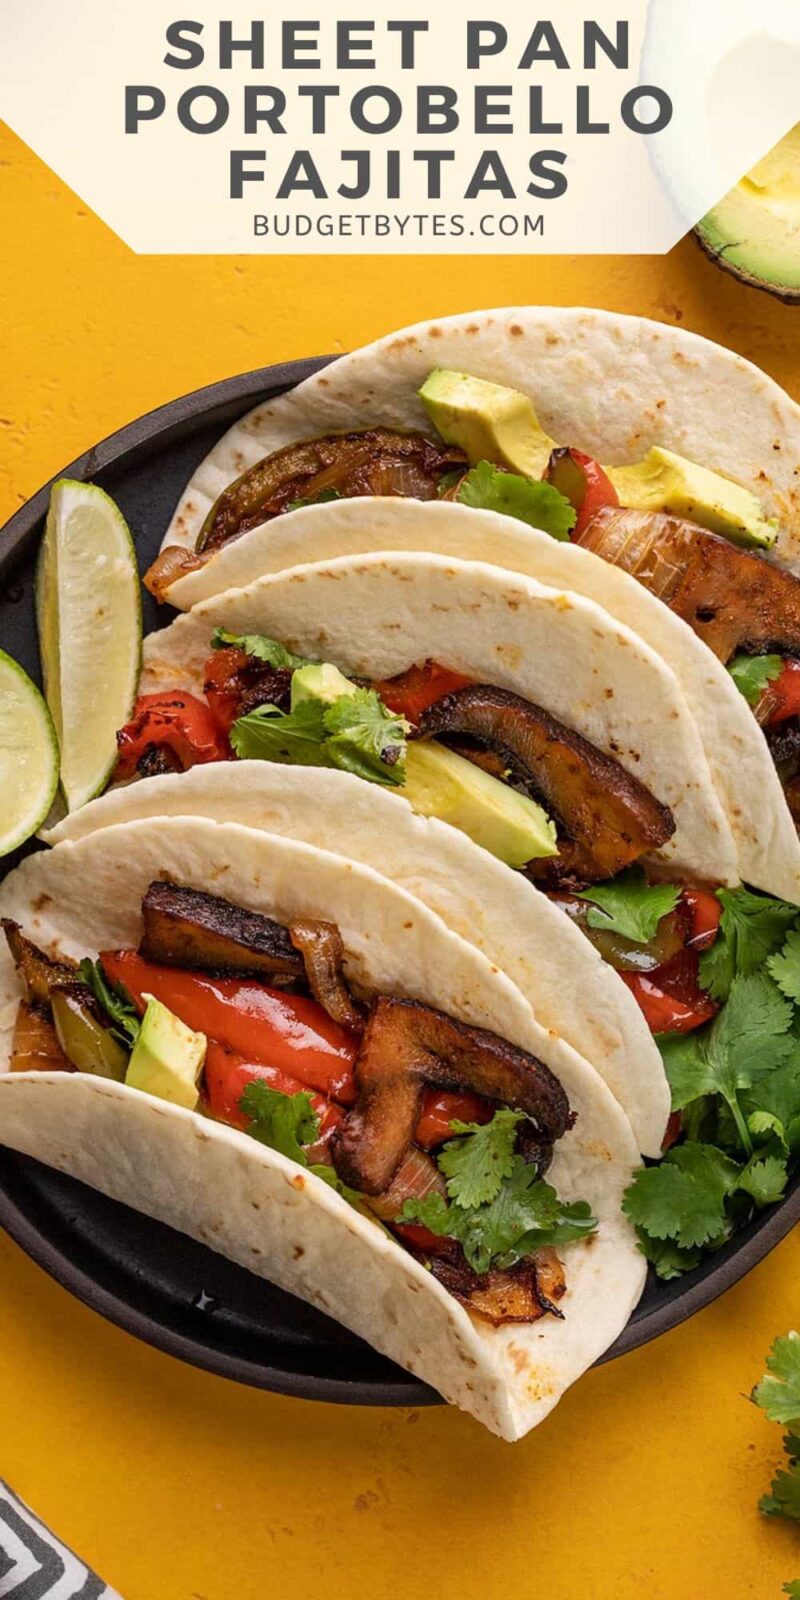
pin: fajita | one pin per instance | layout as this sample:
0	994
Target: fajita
681	485
292	1060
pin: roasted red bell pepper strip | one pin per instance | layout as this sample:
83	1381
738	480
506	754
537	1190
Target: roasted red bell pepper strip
227	1075
409	694
220	686
670	996
673	1130
421	1238
781	698
178	722
705	912
265	1025
584	484
440	1110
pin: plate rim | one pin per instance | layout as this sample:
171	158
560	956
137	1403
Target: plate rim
736	1260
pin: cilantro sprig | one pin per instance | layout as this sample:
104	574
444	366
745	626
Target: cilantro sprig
751	674
683	1199
258	645
530	500
354	733
785	967
736	1083
476	1163
630	906
753	927
287	1123
525	1215
115	1002
778	1395
498	1208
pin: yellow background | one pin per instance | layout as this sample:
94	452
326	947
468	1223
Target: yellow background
179	1486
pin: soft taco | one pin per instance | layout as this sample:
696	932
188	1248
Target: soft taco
571	989
289	1058
519	714
693	518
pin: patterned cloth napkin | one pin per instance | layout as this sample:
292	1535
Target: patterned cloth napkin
34	1565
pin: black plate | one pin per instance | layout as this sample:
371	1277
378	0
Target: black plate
150	1280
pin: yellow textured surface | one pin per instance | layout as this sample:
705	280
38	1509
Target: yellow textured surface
179	1486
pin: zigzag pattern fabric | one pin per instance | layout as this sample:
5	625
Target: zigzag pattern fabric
34	1565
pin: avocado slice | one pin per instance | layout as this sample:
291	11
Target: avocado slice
319	681
440	783
500	425
167	1058
754	232
487	422
663	481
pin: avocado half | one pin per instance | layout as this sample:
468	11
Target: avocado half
755	231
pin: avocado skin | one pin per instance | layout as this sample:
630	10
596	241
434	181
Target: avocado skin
716	253
753	232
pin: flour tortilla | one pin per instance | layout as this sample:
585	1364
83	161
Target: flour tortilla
254	1206
572	991
610	385
607	384
737	753
376	615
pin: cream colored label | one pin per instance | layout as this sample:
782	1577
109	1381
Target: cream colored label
372	126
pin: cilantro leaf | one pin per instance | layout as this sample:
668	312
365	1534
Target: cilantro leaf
772	1106
258	645
683	1199
269	734
747	1040
753	926
686	1064
751	674
476	1164
355	733
285	1122
115	1002
749	1035
433	1212
669	1260
630	906
529	500
778	1393
784	1501
364	737
525	1215
785	967
792	1589
320	499
764	1179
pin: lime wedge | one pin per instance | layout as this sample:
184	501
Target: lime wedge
89	616
28	756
